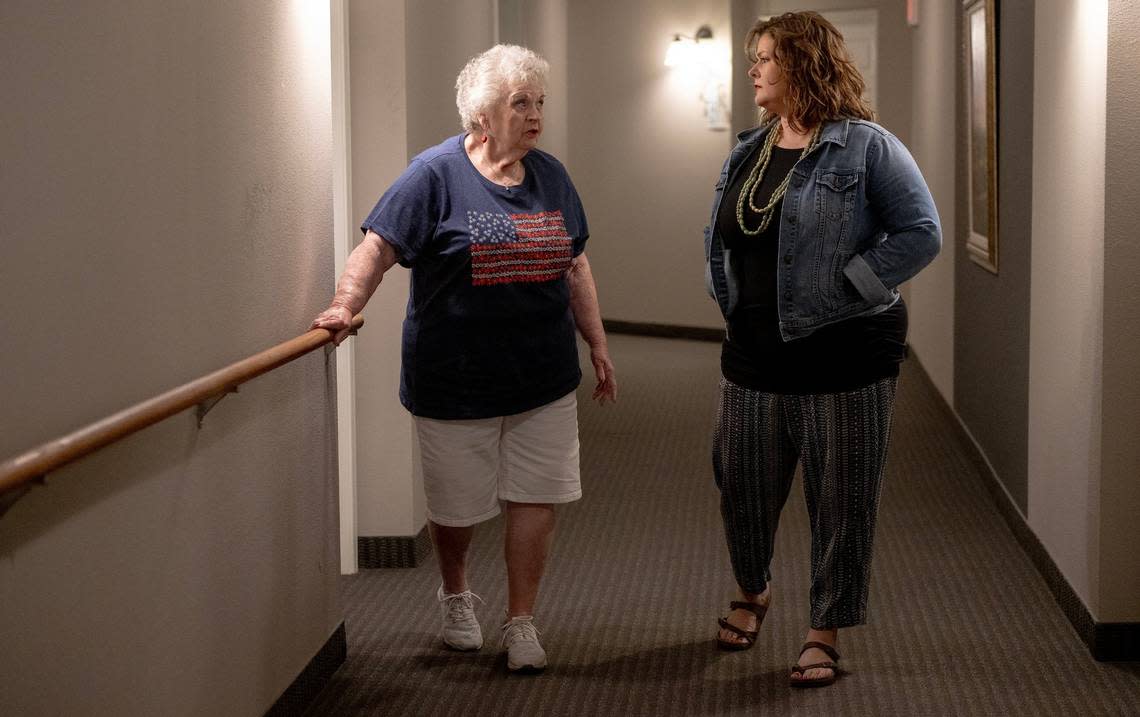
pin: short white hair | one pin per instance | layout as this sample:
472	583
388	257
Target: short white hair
486	77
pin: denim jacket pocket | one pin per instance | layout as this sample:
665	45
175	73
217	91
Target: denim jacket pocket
839	181
835	192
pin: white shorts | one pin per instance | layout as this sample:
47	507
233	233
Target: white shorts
470	465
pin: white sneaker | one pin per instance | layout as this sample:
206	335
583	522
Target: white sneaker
524	654
461	630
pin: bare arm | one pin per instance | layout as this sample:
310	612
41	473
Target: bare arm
362	274
588	318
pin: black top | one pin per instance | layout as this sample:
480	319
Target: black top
843	356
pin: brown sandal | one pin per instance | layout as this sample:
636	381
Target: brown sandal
749	635
818	681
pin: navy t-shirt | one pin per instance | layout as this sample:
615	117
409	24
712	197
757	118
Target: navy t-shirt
488	330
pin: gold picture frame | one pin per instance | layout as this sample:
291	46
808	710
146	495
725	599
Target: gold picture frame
980	70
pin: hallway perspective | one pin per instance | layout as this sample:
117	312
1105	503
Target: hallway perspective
960	622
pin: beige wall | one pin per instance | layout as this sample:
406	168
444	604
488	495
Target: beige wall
441	36
1065	364
1120	449
541	26
389	499
930	296
642	158
166	210
992	311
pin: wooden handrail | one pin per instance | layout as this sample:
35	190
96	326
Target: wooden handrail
20	470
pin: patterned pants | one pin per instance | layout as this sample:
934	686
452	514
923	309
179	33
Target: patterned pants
841	441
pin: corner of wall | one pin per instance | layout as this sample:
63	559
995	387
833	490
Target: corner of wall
1119	573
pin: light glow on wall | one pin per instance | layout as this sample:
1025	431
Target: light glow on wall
702	65
311	21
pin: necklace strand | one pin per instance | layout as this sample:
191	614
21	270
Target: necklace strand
755	178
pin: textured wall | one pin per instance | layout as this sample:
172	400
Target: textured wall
388	497
166	204
642	157
1066	319
541	26
441	37
1120	490
930	298
991	312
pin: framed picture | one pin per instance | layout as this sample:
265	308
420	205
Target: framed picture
980	72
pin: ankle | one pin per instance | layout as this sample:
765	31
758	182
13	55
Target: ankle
761	598
828	636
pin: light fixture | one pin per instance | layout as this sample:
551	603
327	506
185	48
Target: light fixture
682	50
700	60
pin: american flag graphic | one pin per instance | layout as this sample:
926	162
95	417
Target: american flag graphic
509	248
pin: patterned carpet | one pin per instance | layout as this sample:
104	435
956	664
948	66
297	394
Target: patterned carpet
960	622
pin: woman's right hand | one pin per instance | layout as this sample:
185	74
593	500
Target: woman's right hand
336	319
362	274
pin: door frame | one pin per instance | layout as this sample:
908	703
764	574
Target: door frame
344	240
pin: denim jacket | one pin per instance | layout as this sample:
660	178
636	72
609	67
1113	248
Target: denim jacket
857	221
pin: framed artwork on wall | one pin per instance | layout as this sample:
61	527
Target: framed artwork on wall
980	72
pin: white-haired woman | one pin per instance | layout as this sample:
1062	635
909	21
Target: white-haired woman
494	232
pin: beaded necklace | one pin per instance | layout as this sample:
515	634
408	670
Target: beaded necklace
748	191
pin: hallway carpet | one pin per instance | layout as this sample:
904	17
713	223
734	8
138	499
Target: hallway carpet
960	623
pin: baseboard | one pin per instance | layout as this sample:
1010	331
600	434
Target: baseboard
299	695
392	552
668	331
1117	642
1106	641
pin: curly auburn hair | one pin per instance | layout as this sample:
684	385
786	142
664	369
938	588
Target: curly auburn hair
823	82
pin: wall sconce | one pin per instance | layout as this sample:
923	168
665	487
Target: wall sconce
702	58
683	50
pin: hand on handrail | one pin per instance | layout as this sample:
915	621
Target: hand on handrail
336	319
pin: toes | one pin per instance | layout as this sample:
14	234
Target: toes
811	675
732	637
725	636
741	619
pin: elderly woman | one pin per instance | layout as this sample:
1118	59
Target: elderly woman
493	231
818	216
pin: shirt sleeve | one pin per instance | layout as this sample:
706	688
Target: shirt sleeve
898	193
407	215
580	231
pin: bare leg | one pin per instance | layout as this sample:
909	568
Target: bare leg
530	527
744	619
814	655
451	550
